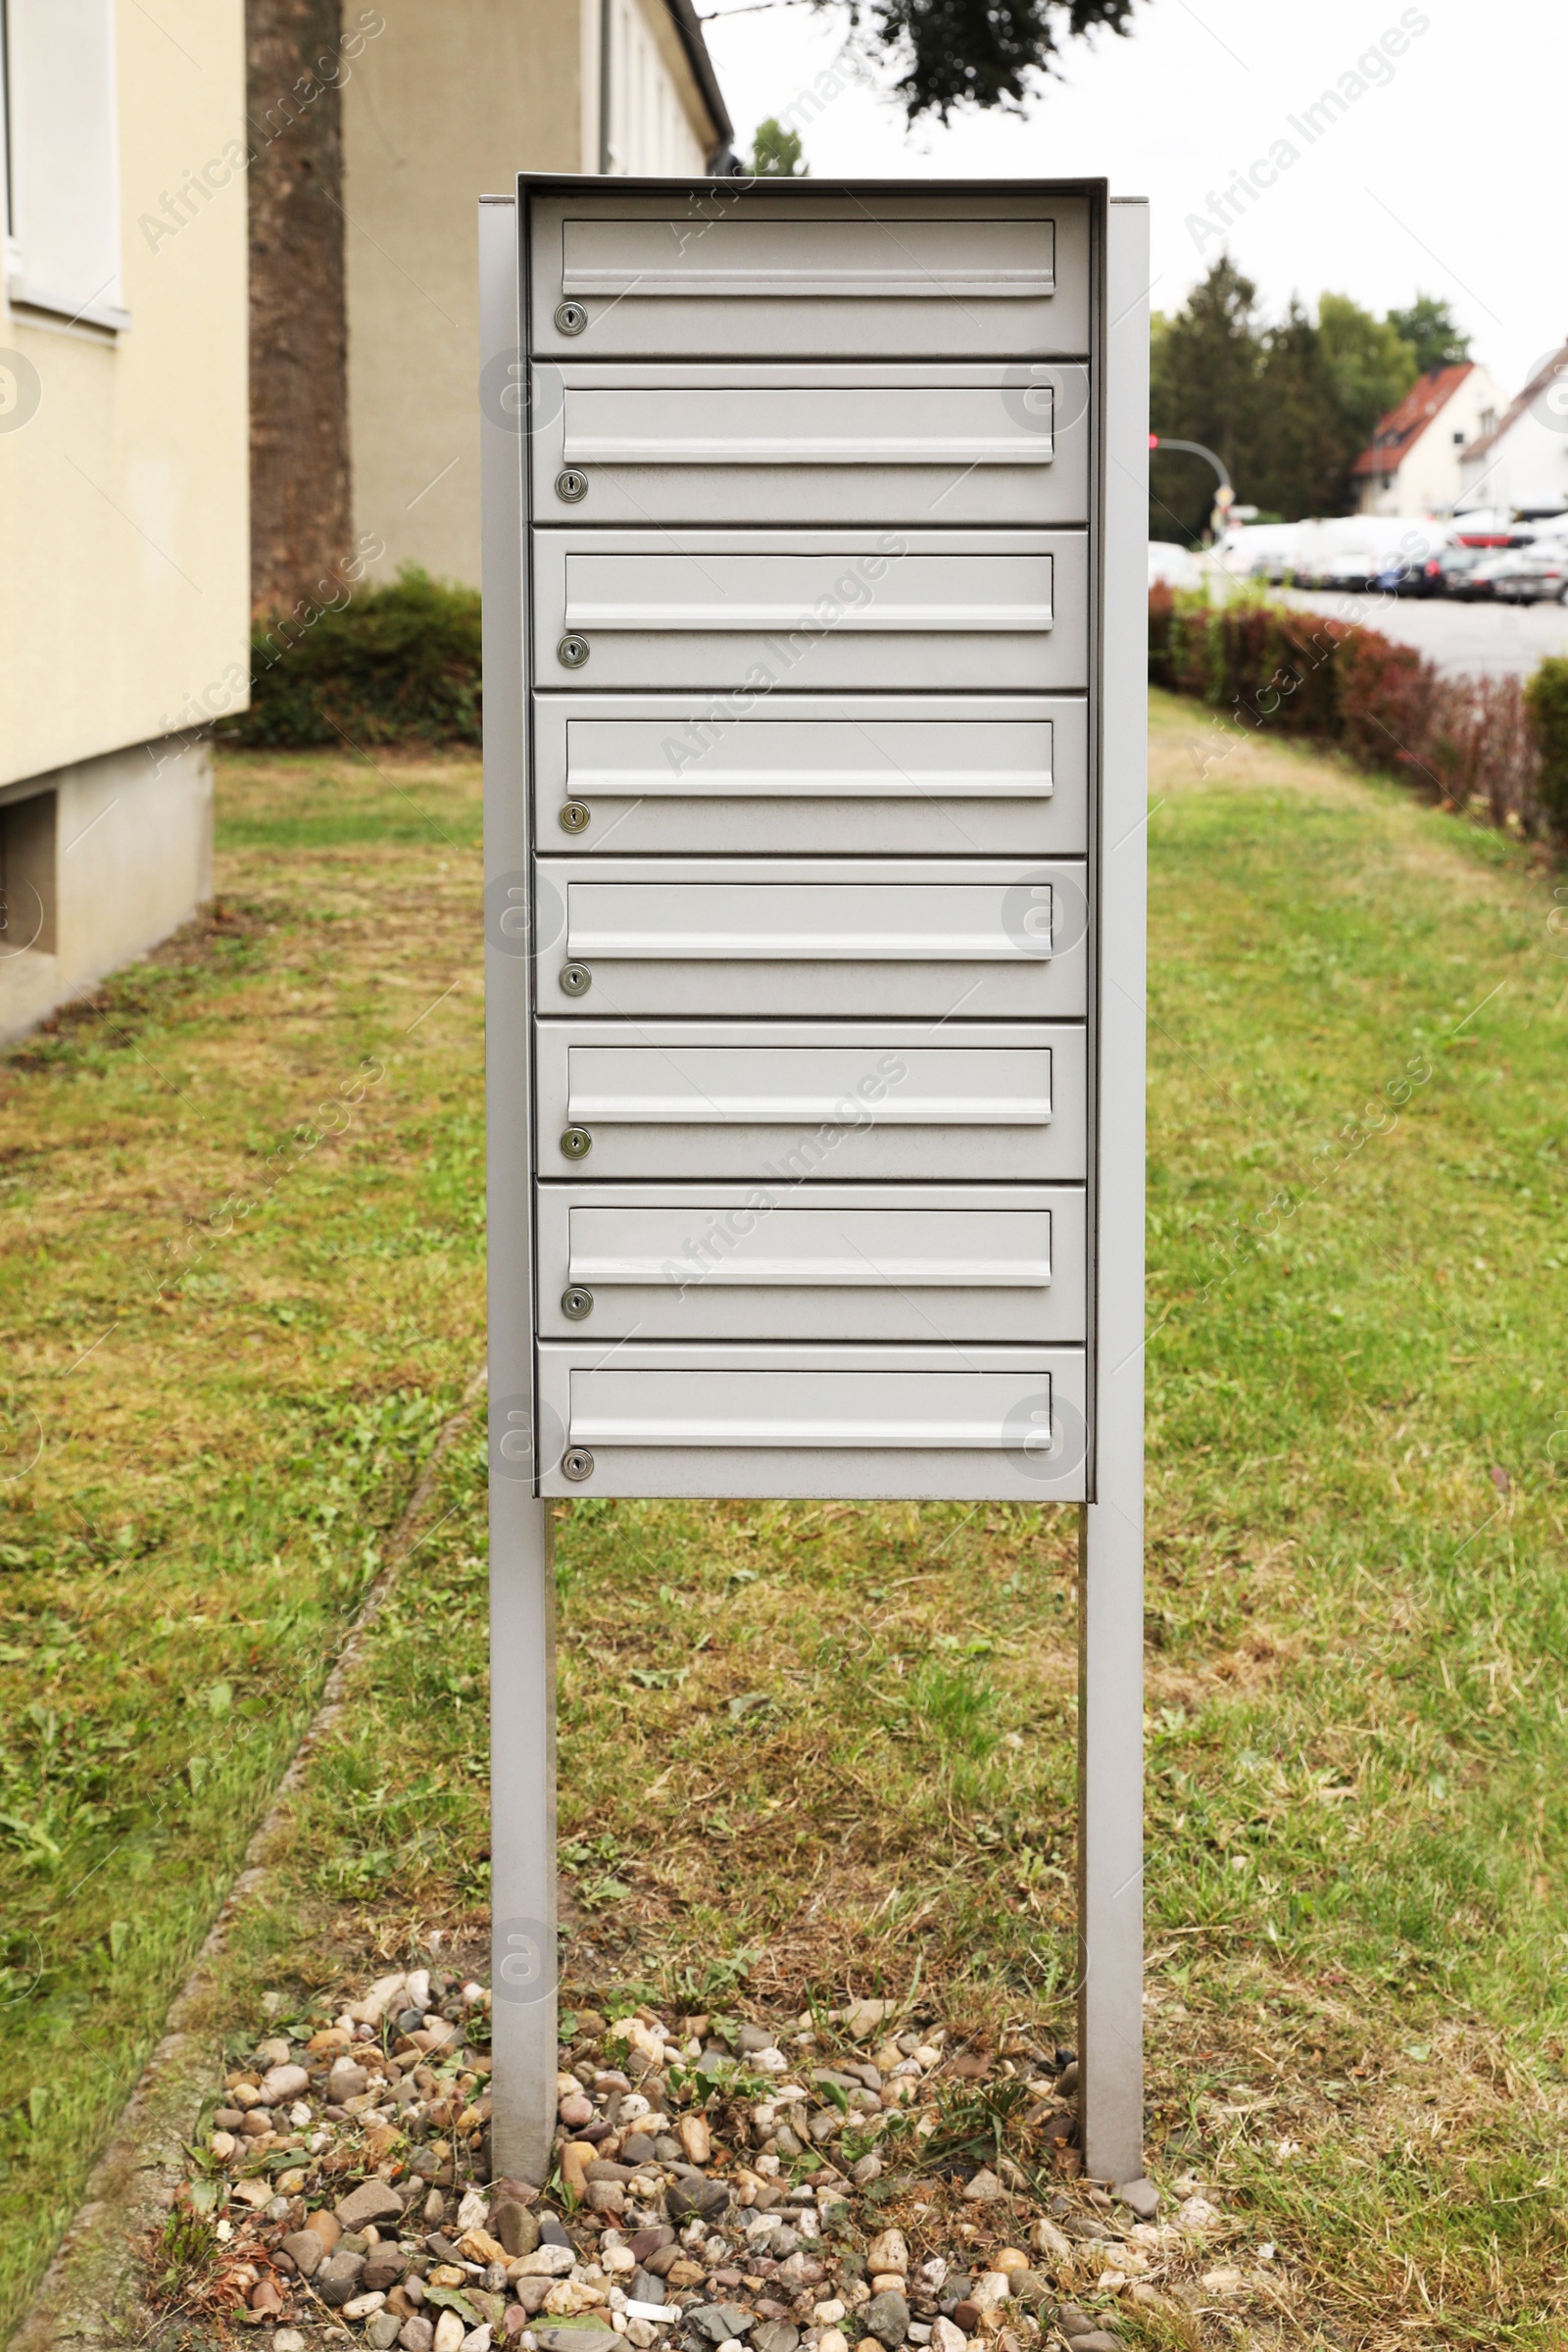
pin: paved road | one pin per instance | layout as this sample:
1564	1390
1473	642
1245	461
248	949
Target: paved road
1456	637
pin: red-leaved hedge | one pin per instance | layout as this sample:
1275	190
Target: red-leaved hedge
1470	743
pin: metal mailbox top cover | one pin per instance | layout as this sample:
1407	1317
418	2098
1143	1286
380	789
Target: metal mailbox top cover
732	268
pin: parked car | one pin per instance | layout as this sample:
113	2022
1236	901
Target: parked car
1260	551
1412	575
1349	552
1530	575
1460	567
1174	567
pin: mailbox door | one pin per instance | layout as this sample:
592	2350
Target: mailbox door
810	777
685	936
997	1422
756	610
792	1102
671	444
982	1263
814	276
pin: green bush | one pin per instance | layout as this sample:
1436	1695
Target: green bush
393	664
1484	744
1546	701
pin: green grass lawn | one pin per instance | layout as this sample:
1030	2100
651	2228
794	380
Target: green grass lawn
810	1746
240	1290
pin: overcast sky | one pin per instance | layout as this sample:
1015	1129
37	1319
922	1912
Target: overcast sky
1443	176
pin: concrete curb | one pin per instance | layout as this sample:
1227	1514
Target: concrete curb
90	2299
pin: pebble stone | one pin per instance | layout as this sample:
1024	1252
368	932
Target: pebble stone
886	2318
282	2083
304	2251
337	2282
1141	2197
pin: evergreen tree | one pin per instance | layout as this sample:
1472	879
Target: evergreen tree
776	152
1300	458
1371	366
1430	329
1205	385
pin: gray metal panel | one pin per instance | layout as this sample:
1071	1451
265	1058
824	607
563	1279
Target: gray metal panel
522	1836
898	937
814	1102
752	619
744	271
982	1263
989	1423
881	610
810	775
791	444
1111	1708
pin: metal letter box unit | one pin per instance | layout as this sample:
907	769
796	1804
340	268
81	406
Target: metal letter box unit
807	624
814	574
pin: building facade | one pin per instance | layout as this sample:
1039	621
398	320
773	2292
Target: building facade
1523	463
443	106
364	273
1412	464
123	588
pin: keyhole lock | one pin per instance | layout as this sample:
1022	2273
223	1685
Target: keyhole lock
575	979
572	652
576	1304
571	484
577	1462
577	1143
572	318
574	817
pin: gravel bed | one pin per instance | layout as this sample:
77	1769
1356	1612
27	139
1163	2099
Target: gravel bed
719	2185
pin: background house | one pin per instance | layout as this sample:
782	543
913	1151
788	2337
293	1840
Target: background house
1523	461
123	475
1412	464
364	248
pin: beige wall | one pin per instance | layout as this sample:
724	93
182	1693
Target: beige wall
97	868
447	103
124	533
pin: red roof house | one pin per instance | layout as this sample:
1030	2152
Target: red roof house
1411	465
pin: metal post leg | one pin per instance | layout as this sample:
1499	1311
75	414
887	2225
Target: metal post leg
522	1831
1111	1842
1110	1693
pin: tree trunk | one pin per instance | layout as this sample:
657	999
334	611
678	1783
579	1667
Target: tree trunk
301	509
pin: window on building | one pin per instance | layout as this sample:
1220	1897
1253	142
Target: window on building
62	156
28	874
